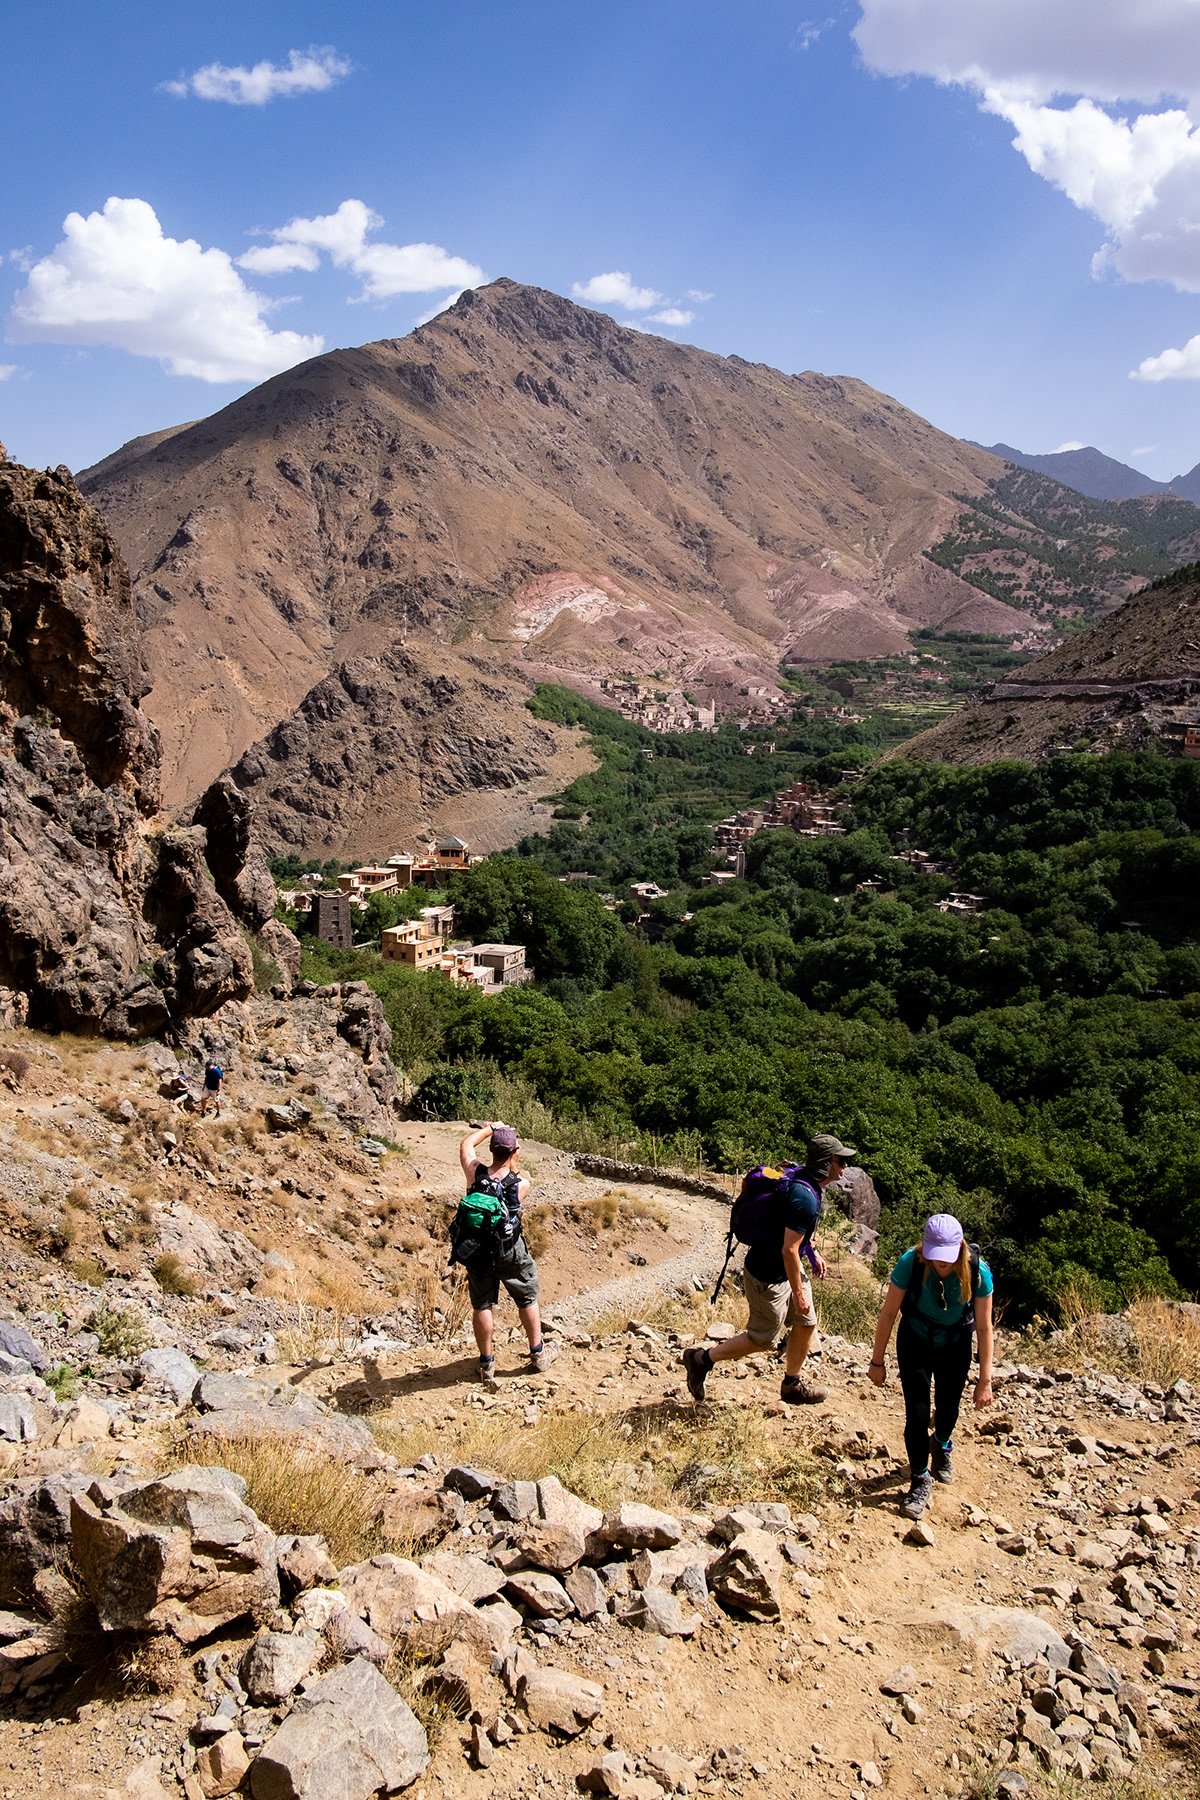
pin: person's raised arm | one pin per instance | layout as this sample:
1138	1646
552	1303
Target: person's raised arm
468	1147
984	1335
893	1300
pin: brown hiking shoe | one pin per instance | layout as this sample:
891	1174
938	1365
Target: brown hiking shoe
695	1371
797	1392
541	1359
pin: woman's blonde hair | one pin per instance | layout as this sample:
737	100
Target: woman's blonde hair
962	1269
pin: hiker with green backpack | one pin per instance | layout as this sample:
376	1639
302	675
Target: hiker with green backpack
941	1291
486	1239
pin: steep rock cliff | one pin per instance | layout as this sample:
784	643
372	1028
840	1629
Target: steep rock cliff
108	923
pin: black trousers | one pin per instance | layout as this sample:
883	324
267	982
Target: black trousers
922	1365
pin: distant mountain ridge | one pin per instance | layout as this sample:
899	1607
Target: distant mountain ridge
1101	477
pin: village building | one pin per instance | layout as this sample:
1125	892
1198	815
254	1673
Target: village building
649	706
418	942
506	961
962	906
331	919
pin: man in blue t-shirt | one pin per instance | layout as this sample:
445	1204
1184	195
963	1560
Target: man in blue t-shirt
777	1289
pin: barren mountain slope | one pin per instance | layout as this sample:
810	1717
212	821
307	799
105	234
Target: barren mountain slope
531	481
1132	679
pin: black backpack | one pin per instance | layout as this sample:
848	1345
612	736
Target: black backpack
967	1323
481	1234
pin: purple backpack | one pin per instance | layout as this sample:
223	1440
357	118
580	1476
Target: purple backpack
754	1218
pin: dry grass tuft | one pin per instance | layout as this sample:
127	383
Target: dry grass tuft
847	1304
1161	1343
296	1489
448	1297
536	1223
14	1063
171	1275
662	1454
86	1268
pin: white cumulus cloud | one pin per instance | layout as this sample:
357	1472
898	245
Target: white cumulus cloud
386	269
115	279
615	289
1071	444
8	370
672	315
308	71
1136	171
1172	365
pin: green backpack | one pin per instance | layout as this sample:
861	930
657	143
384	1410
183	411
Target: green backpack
487	1219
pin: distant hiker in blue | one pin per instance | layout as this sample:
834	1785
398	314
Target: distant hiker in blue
773	1277
942	1292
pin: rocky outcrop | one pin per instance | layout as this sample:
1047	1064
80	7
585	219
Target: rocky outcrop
107	924
239	868
69	645
182	1554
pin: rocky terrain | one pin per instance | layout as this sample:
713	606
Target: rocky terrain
110	914
1129	681
261	1530
349	578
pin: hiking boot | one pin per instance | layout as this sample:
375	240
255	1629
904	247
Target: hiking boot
943	1469
797	1392
543	1356
696	1370
917	1497
487	1371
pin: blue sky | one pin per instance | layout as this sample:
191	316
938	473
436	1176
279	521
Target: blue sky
840	188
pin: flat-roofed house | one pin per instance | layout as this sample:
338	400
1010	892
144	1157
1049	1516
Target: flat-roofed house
506	961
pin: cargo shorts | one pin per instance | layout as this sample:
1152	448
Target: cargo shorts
514	1268
773	1307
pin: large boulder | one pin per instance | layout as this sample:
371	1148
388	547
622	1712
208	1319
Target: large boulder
348	1738
182	1554
854	1195
283	947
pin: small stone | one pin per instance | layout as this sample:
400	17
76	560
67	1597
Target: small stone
275	1664
556	1700
541	1593
920	1534
1014	1543
635	1527
481	1747
470	1482
913	1712
901	1681
222	1765
870	1776
656	1610
588	1593
515	1500
609	1774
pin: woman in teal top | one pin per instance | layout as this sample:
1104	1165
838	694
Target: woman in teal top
940	1291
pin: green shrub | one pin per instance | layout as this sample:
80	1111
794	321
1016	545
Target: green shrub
122	1331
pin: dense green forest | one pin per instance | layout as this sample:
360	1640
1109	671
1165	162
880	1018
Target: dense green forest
1034	1069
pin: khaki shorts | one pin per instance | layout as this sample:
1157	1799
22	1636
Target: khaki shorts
772	1308
515	1268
